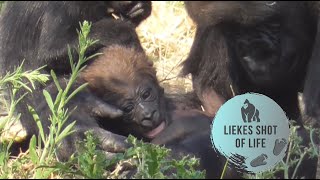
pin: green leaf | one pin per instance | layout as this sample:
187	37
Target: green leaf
82	68
24	86
32	150
31	81
58	99
39	142
38	122
21	97
76	91
51	135
44	173
49	100
70	58
55	79
93	56
67	131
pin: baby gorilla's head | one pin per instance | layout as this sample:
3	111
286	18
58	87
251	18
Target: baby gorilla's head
126	79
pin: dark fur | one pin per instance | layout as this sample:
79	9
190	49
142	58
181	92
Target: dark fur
114	77
39	32
279	39
213	50
311	92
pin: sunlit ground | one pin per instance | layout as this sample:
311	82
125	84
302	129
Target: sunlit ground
167	36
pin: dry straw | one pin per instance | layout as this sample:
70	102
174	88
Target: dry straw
167	36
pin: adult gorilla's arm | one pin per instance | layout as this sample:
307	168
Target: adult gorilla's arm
41	31
207	13
311	90
216	60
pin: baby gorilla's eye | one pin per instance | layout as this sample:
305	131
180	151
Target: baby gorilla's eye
146	94
128	108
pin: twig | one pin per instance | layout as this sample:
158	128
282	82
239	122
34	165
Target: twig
224	169
167	79
177	64
225	165
4	114
202	108
286	173
234	94
300	160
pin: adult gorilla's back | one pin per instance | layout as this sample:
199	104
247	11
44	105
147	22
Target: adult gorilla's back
39	32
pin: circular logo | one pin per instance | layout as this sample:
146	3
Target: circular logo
251	131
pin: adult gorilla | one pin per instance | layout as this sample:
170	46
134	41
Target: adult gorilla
253	46
39	32
256	46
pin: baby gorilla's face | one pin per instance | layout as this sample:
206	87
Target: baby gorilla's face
125	78
144	108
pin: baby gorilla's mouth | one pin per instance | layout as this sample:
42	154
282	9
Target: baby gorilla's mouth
153	133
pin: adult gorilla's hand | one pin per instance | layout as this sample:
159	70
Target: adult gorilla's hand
89	111
98	109
110	142
133	11
101	109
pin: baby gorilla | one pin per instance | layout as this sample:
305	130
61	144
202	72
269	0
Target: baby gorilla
126	79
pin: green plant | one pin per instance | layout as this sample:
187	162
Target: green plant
59	115
154	161
92	163
290	165
16	81
42	163
1	4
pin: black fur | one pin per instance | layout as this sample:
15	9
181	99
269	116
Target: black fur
215	64
39	32
258	46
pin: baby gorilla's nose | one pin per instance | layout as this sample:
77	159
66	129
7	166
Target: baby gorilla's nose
148	114
149	119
